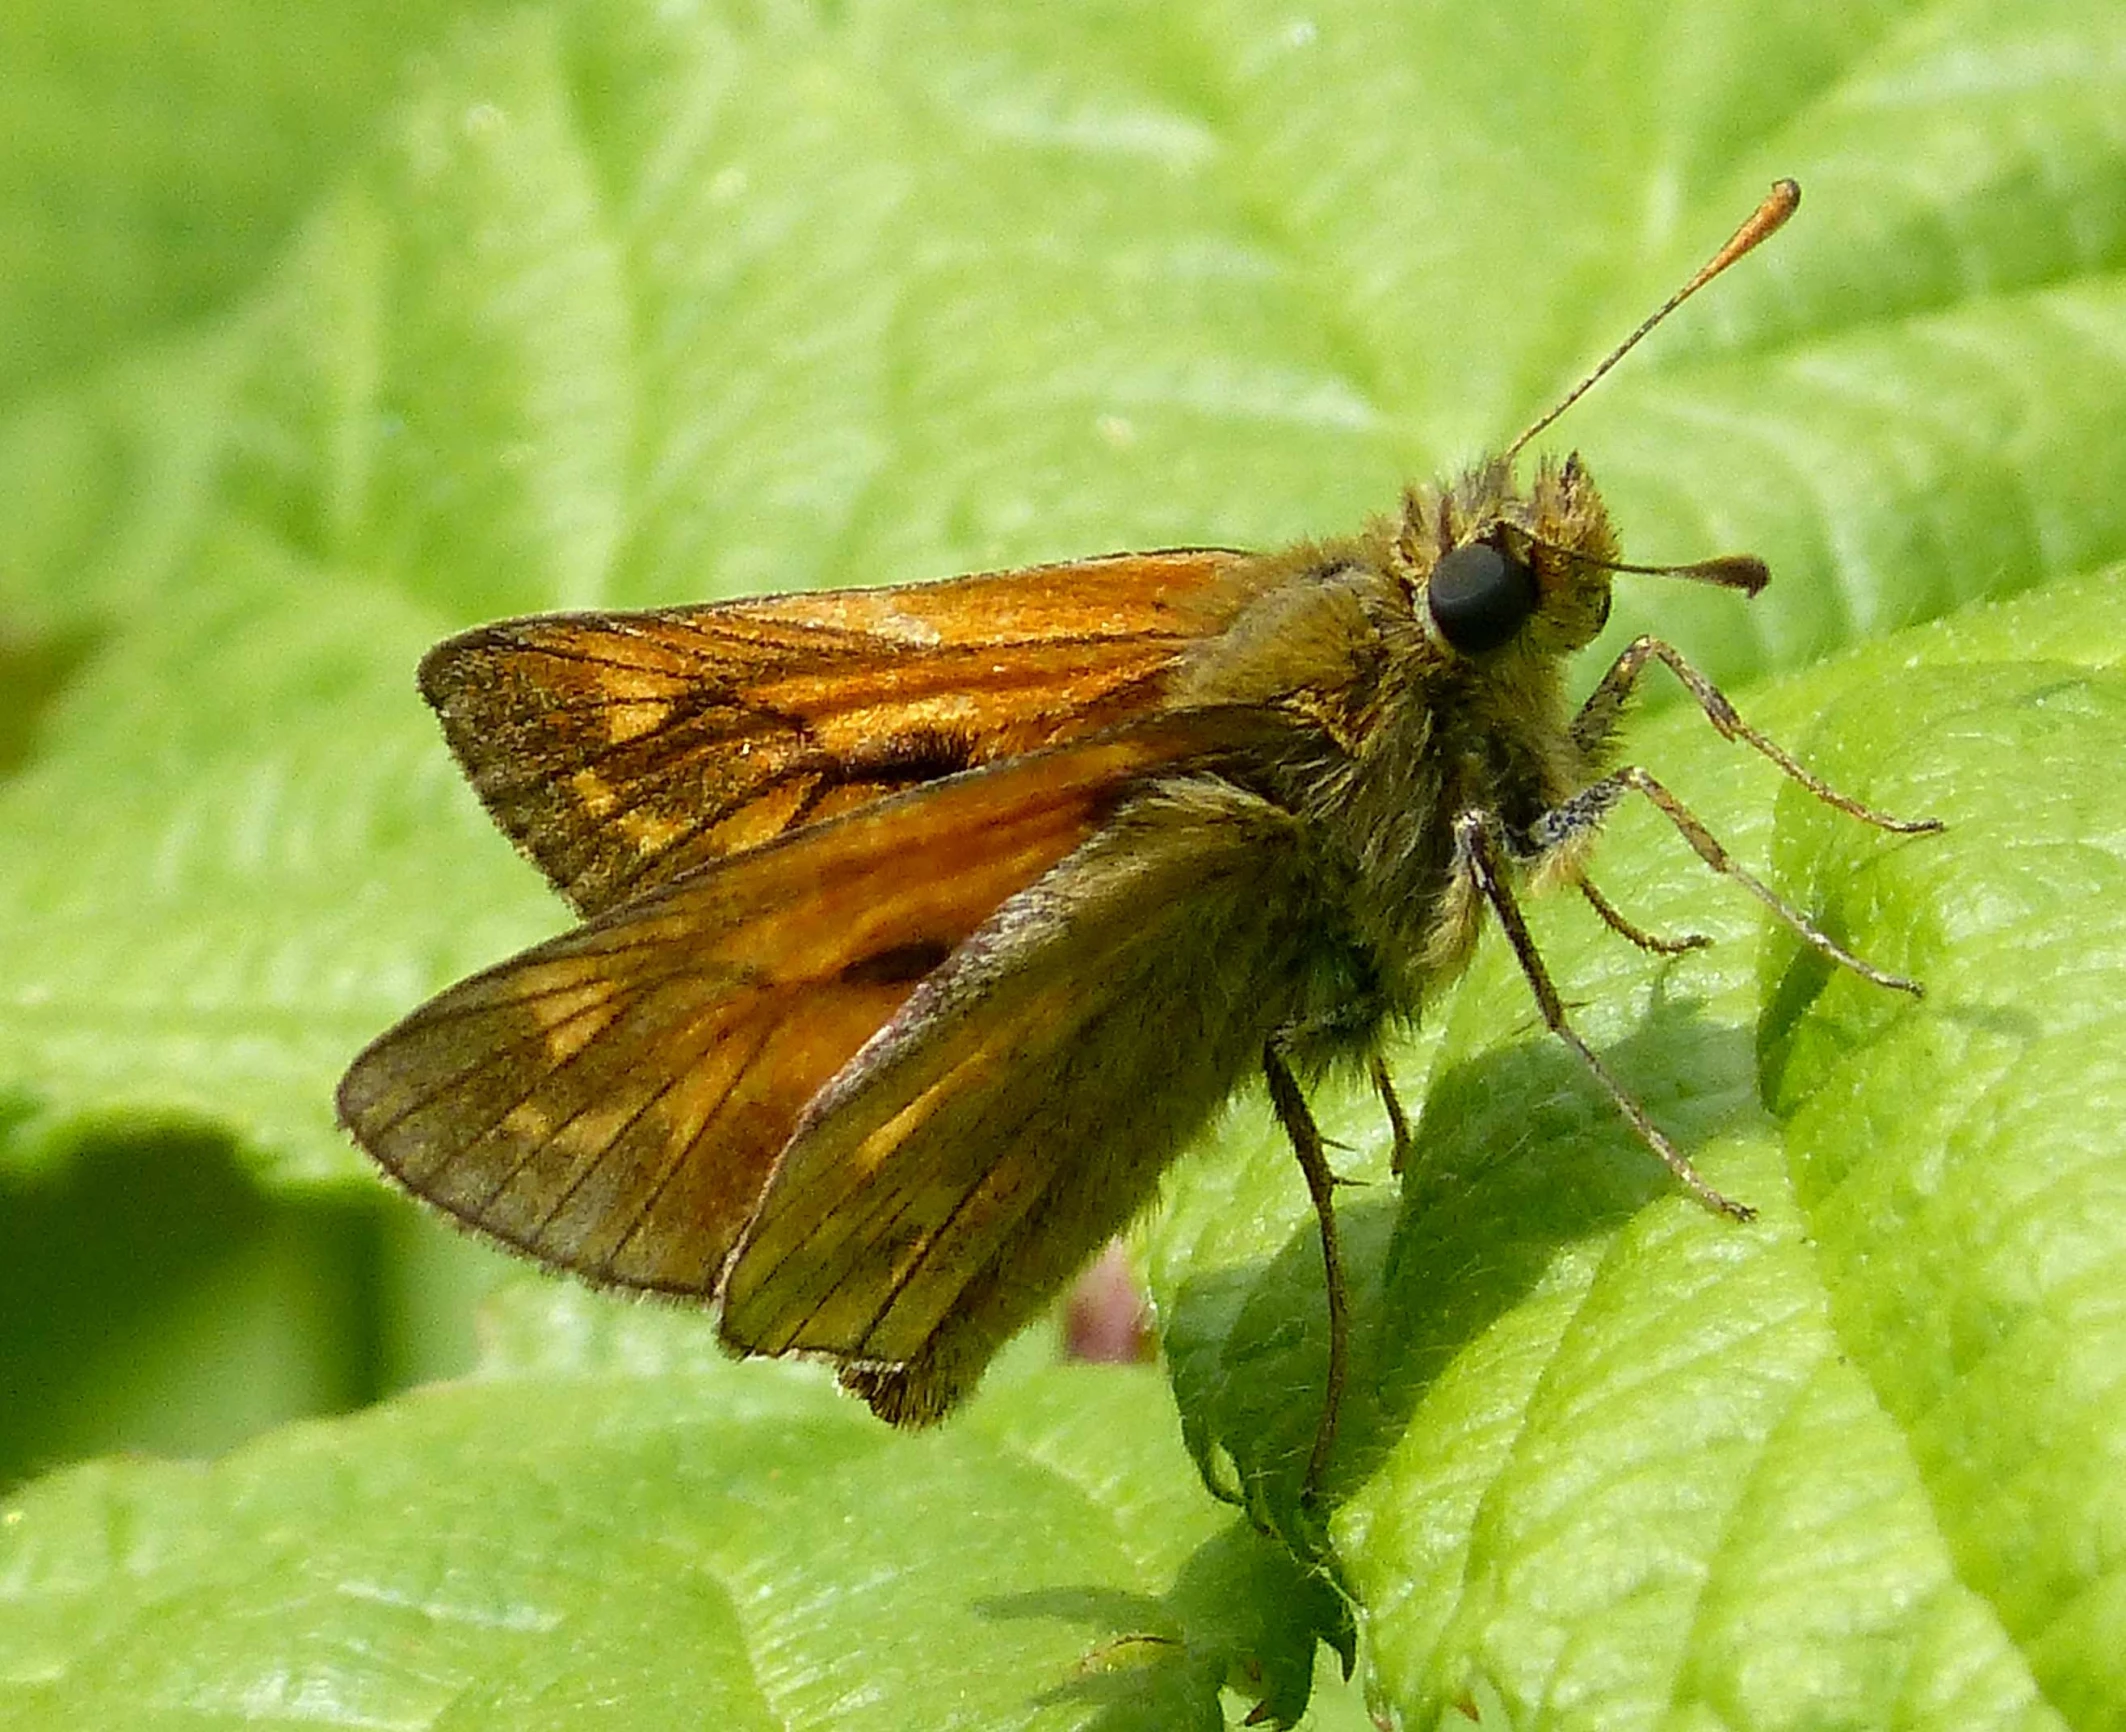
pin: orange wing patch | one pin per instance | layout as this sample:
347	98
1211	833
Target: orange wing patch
612	1101
622	750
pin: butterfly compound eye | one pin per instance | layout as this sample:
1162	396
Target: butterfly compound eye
1480	597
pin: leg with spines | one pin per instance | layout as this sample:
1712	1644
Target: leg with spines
1481	854
1635	933
1567	824
1596	724
1290	1104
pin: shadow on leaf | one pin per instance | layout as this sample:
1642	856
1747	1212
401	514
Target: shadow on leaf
1517	1158
1244	1613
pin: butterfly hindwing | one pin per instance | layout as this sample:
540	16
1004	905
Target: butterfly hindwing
1020	1107
612	1101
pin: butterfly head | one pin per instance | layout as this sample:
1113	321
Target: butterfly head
1508	575
1501	573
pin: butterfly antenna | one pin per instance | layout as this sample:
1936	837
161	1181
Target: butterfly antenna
1779	204
1743	571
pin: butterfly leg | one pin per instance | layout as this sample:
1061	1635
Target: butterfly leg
1585	810
1637	934
1596	725
1290	1105
1398	1122
1481	854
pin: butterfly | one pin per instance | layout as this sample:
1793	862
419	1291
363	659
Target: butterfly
923	927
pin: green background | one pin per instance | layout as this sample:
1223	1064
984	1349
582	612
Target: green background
327	331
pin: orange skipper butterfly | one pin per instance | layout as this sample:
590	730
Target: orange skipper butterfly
924	926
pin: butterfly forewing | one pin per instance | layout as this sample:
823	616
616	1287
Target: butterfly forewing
623	750
612	1101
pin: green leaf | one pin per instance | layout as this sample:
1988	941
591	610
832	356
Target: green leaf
153	156
611	1515
631	304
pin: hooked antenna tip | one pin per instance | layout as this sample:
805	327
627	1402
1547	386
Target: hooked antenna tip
1762	223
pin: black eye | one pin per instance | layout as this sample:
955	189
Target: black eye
1479	597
